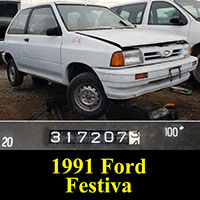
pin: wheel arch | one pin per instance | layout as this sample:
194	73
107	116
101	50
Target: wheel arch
196	49
8	56
74	69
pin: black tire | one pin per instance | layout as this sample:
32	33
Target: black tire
15	77
86	95
196	72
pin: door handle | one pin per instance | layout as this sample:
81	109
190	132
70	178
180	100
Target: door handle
26	39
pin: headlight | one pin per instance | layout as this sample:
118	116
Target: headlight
187	50
126	58
133	57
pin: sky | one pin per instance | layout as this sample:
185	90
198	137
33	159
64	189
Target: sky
101	2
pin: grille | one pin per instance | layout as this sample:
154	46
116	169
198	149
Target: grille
156	54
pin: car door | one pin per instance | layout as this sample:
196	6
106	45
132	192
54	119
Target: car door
132	12
41	52
160	15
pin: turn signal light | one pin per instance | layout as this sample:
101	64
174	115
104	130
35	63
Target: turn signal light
190	50
141	76
194	63
117	59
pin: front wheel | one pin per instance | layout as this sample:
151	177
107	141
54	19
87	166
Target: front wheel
86	95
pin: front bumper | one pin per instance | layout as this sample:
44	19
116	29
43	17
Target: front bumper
121	84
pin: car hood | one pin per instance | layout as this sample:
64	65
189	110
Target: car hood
132	37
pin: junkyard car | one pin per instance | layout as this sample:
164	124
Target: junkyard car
173	16
94	52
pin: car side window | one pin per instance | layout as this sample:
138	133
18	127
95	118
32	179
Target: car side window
41	20
162	12
133	13
19	24
194	11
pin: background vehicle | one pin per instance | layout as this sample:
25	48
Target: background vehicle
8	9
171	16
94	52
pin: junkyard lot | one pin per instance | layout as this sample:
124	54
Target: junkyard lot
26	101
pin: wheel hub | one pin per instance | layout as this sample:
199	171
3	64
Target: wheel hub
88	98
12	73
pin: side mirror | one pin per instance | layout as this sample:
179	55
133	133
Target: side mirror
176	20
54	31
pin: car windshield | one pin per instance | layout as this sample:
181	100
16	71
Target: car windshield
81	17
191	6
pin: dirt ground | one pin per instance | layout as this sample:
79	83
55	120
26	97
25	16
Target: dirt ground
26	101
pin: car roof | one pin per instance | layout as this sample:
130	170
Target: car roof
71	3
61	2
136	1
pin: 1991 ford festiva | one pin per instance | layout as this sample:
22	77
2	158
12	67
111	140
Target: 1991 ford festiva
94	52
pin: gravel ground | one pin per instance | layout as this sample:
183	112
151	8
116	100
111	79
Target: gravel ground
26	101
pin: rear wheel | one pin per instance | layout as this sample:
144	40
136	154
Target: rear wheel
15	77
86	95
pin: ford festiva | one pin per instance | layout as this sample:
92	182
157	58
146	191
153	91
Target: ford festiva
172	16
94	52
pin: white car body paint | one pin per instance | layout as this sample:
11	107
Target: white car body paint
50	56
190	30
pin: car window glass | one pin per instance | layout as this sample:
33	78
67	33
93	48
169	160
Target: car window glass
138	18
191	6
133	13
115	9
194	11
19	23
125	14
162	12
79	17
41	20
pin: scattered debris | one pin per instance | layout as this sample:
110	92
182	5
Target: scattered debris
165	112
158	114
181	90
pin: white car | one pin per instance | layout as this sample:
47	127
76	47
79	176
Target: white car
8	9
171	16
94	52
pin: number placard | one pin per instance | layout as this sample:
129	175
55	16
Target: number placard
92	137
